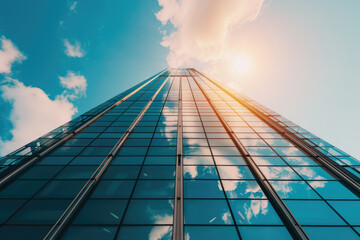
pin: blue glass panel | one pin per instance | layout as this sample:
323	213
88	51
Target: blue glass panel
40	212
196	151
294	190
61	189
264	233
313	173
198	160
160	160
154	189
203	189
128	160
313	213
299	161
102	211
87	161
113	189
23	232
149	212
331	233
207	212
254	212
90	232
158	172
276	161
145	232
243	189
22	188
221	160
122	172
235	172
211	233
283	173
348	210
41	172
54	160
8	207
332	190
200	172
76	172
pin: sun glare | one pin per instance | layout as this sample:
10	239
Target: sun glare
241	64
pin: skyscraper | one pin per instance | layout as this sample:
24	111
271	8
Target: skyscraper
179	156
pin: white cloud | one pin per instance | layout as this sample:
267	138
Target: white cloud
8	55
73	6
33	113
207	34
74	82
73	50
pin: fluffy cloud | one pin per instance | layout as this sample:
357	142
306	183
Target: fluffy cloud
74	82
206	34
73	50
8	55
33	113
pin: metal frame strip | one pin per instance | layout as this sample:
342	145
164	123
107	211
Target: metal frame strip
290	221
81	197
24	166
178	230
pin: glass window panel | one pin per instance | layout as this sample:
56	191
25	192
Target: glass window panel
254	212
154	189
227	160
196	151
90	232
211	232
158	172
8	207
104	211
207	212
87	160
264	233
113	189
332	190
22	188
299	161
310	212
284	173
313	173
149	212
225	151
67	151
76	172
128	160
61	189
294	190
145	232
53	160
198	160
41	172
275	161
243	189
260	151
160	160
122	172
140	151
23	232
348	210
330	233
200	172
235	172
40	212
162	151
203	189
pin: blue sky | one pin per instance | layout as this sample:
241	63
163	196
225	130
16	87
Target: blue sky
303	56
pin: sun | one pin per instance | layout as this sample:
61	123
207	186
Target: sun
241	64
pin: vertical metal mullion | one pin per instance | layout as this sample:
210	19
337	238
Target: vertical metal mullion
6	179
290	221
178	230
61	224
346	177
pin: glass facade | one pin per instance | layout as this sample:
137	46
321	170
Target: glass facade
179	156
